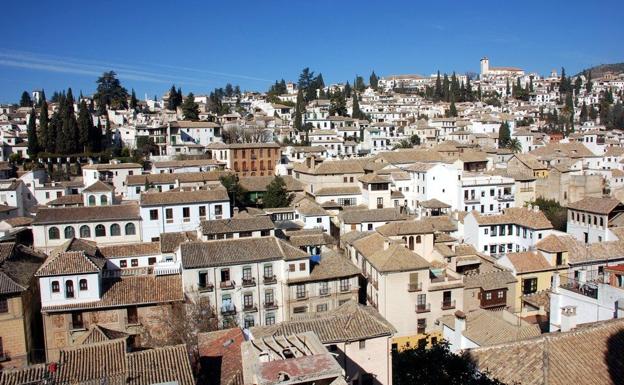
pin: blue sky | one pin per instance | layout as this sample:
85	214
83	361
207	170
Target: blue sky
205	44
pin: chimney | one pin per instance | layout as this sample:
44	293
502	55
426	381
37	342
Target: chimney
568	318
386	244
554	287
235	210
460	328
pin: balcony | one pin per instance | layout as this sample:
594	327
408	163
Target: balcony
227	285
167	268
472	200
269	280
250	308
423	308
450	304
587	289
228	310
323	292
205	287
270	305
249	282
413	287
526	189
505	198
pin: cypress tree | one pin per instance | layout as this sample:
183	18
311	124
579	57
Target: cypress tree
173	94
108	136
446	94
357	113
43	126
299	109
33	142
503	135
41	98
452	109
437	93
373	80
85	127
133	100
347	90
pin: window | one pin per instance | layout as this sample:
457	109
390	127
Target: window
319	220
529	285
123	263
270	319
103	200
500	294
56	287
300	309
69	232
130	229
186	214
134	262
225	275
268	297
493	230
83	284
344	284
153	215
100	231
244	234
69	289
53	233
169	215
321	307
301	292
246	273
292	267
4	307
265	233
76	321
91	200
268	271
133	315
379	202
248	300
151	261
302	266
249	322
85	231
218	210
418	239
202	211
488	296
362	344
115	230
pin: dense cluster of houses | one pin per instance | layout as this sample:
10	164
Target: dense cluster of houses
380	249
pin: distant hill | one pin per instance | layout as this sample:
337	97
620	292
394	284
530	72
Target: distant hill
599	70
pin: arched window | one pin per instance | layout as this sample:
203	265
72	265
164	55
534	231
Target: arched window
91	200
53	233
69	232
244	166
411	243
100	231
56	287
69	289
235	166
418	240
85	231
130	229
261	164
83	284
115	230
103	200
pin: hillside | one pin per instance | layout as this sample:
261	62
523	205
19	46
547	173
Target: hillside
599	70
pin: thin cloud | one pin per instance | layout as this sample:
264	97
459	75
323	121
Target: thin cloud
85	67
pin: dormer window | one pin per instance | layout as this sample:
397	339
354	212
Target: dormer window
83	285
56	287
69	289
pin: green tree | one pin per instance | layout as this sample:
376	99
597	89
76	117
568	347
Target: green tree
514	145
373	80
437	92
174	100
452	112
299	110
108	136
85	128
277	195
133	100
347	90
110	93
190	109
436	365
33	142
237	194
403	143
43	125
415	140
338	104
503	135
556	214
25	100
359	84
356	112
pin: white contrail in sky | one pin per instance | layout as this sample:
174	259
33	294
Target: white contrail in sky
76	66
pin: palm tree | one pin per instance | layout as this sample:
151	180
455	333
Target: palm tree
514	145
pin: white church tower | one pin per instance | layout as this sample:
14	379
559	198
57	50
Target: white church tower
485	65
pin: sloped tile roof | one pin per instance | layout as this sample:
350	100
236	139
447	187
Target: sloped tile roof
182	197
489	280
236	225
69	262
595	205
99	186
516	215
331	266
169	242
528	261
347	323
130	250
375	215
61	215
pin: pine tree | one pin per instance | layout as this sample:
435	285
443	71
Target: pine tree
276	194
373	81
25	100
503	135
133	100
33	141
43	126
338	104
190	109
299	110
110	93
